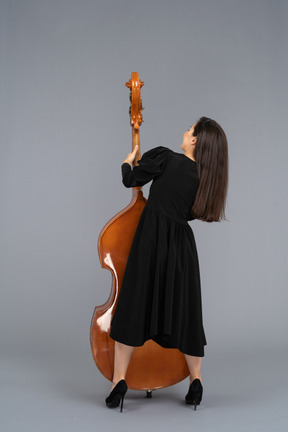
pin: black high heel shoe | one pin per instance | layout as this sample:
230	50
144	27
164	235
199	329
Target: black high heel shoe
194	395
117	395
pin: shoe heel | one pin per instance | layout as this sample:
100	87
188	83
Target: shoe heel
122	401
197	400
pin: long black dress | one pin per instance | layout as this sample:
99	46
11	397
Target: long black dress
160	297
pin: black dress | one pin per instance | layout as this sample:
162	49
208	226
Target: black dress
160	297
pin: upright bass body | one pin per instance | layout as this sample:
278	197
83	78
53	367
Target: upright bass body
151	366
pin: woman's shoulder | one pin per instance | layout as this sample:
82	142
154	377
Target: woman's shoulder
157	150
161	152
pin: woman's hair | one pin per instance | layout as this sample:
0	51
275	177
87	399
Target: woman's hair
211	156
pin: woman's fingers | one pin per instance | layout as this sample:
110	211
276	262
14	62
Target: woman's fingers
131	156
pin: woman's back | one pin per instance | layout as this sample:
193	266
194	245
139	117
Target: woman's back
173	192
175	181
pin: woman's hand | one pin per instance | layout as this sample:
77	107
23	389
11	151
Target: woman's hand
131	156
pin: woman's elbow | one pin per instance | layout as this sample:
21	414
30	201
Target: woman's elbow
126	183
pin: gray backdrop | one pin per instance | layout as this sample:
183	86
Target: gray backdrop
64	135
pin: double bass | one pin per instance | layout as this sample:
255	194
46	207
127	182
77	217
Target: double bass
151	366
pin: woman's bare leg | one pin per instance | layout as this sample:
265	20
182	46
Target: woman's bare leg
122	356
194	366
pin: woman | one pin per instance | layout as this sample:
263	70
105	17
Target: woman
161	277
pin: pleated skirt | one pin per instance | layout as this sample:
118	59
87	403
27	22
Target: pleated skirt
160	296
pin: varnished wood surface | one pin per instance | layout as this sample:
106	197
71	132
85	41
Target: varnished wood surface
151	366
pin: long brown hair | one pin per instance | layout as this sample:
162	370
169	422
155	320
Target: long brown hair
211	156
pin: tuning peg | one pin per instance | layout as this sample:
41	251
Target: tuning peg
129	84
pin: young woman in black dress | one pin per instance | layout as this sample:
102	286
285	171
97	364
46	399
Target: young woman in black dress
186	186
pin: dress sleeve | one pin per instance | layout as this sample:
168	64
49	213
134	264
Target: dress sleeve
149	166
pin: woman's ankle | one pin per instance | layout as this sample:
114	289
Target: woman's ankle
193	377
115	382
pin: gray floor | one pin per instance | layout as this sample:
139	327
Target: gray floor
66	393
